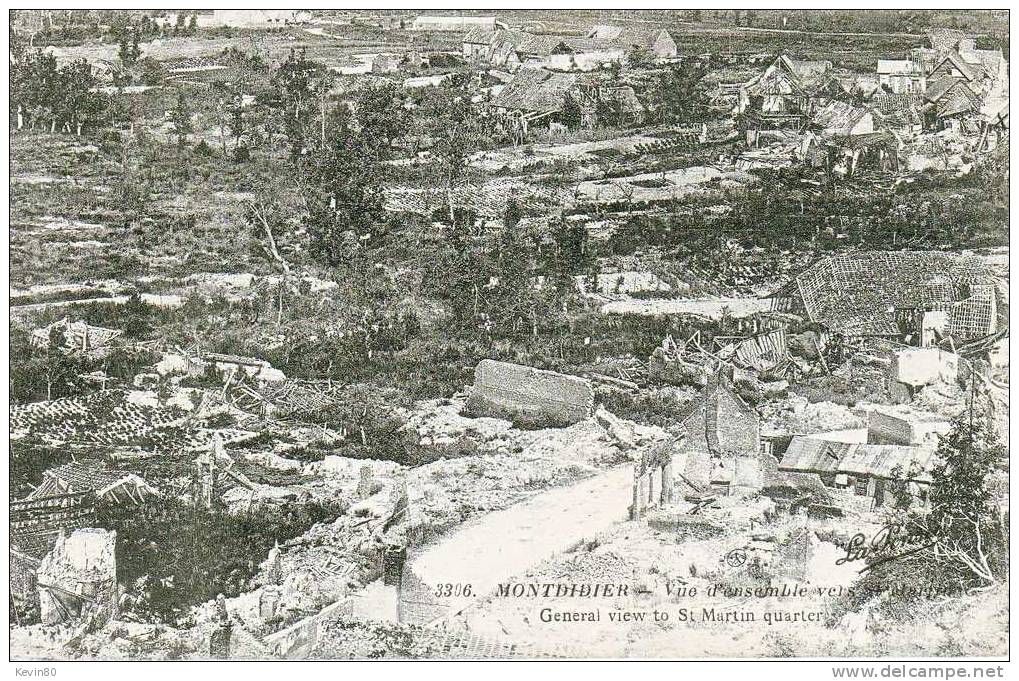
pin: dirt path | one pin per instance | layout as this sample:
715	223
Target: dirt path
500	545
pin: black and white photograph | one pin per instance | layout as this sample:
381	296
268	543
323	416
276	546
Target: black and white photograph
509	334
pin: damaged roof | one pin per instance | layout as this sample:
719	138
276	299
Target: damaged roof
958	100
854	290
809	71
77	477
802	76
836	115
806	454
81	477
897	109
537	91
482	36
970	72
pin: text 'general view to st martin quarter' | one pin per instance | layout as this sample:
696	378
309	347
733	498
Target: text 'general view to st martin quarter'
508	334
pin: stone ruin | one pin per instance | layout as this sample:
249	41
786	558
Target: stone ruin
657	462
78	578
219	638
527	396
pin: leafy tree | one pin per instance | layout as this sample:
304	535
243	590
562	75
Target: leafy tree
491	282
79	104
180	116
676	97
36	89
346	176
294	88
130	51
150	71
459	135
962	523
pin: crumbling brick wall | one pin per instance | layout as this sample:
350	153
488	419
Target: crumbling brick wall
737	429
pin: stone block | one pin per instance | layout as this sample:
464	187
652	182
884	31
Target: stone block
529	397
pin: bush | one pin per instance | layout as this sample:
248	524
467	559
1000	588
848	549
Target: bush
183	555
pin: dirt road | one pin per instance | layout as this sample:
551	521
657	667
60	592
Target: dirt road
500	545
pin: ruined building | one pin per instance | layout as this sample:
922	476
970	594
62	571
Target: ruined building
917	297
723	441
78	578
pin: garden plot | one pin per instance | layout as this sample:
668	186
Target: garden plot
108	418
712	308
669	185
623	145
488	200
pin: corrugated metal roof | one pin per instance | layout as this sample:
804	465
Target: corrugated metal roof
806	454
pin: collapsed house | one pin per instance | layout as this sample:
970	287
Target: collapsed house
79	336
35	525
844	138
115	487
952	103
603	45
781	97
898	113
656	41
917	297
539	97
558	53
842	118
873	471
229	367
496	47
954	78
963	58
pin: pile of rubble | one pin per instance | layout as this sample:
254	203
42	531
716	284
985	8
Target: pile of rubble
798	415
